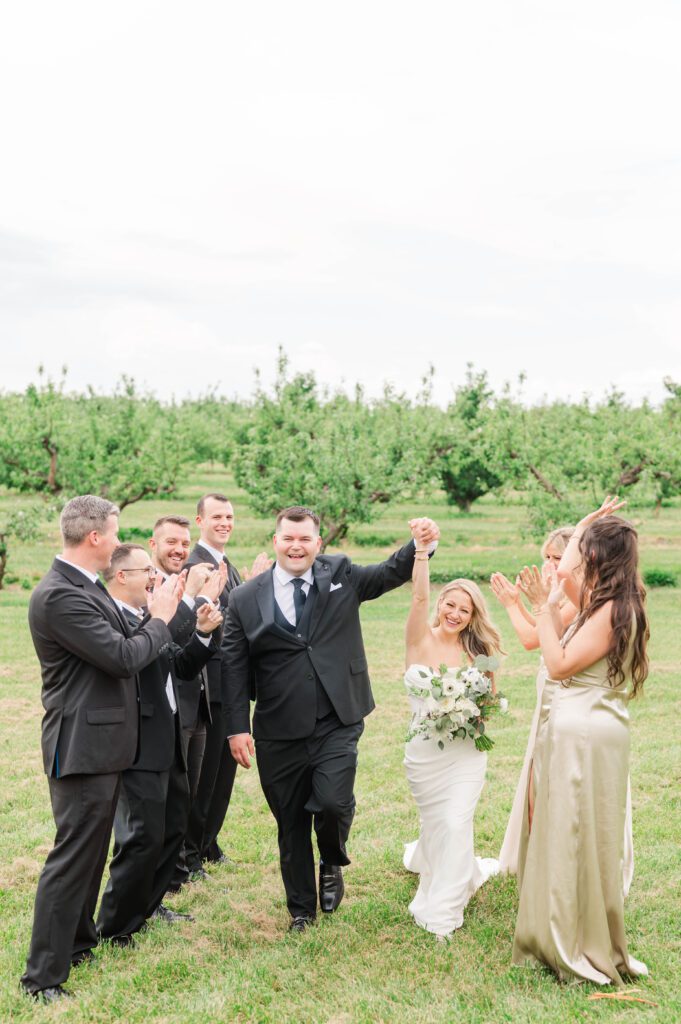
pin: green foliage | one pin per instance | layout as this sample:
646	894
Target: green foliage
344	457
660	578
467	463
23	524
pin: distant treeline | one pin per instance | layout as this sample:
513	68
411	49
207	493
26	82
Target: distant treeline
345	455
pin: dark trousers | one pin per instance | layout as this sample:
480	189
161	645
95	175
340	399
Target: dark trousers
194	737
150	824
209	808
63	924
306	781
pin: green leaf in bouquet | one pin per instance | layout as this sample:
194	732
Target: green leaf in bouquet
424	675
440	724
436	691
483	743
461	732
481	727
442	669
440	744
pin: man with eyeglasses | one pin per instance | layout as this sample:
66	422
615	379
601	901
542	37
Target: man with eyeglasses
89	660
153	807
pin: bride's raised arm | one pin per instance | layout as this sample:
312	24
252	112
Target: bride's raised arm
418	627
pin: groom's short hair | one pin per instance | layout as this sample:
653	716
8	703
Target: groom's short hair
296	513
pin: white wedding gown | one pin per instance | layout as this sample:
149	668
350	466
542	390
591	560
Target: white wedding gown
446	785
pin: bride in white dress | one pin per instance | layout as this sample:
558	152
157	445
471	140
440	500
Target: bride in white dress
445	783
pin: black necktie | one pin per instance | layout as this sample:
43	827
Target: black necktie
299	599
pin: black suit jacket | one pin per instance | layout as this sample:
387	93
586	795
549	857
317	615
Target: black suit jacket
89	665
286	664
160	729
215	688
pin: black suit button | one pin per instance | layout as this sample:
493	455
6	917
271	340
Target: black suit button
309	648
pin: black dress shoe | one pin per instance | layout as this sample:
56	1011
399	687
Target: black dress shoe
164	913
198	875
85	956
120	941
299	924
222	858
331	887
48	995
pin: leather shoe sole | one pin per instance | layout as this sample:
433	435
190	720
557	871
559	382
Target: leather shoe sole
331	887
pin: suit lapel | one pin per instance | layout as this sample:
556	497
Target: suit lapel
265	597
107	604
322	579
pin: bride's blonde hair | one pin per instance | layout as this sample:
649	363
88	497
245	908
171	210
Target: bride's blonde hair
480	636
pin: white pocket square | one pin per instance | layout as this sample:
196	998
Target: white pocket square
335	586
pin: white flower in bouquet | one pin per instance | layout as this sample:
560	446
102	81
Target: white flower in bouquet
432	706
452	686
503	705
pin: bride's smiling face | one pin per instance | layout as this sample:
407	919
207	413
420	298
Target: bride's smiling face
455	612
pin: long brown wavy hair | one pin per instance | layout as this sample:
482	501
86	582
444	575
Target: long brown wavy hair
609	550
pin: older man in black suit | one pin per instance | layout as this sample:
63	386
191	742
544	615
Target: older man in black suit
89	662
296	630
153	807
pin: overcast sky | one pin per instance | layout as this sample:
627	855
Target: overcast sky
374	185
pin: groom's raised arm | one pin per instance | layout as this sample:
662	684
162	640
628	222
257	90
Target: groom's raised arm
370	581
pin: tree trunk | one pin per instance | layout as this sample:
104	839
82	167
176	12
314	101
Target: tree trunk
336	532
543	482
3	558
630	476
51	449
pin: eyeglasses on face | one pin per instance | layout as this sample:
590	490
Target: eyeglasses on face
148	569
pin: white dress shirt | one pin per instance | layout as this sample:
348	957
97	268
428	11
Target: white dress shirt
139	614
219	556
283	590
92	576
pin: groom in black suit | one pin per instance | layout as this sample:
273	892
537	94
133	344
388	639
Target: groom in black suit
295	632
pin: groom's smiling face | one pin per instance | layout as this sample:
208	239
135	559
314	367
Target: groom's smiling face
296	545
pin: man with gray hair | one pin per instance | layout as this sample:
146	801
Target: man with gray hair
89	660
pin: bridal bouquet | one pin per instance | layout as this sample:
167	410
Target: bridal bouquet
458	702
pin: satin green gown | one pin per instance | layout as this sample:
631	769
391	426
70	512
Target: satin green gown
570	867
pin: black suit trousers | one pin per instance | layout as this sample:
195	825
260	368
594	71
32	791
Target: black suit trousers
213	794
305	781
150	823
63	923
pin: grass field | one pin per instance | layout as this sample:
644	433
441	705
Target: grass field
368	962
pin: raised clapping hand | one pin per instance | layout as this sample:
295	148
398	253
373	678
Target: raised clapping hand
214	583
208	618
505	592
610	505
163	601
424	531
197	577
535	586
261	564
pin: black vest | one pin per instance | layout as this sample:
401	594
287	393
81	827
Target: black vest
324	706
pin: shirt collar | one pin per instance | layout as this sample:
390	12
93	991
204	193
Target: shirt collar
219	556
128	608
285	577
92	576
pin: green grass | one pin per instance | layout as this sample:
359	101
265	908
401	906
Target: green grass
367	963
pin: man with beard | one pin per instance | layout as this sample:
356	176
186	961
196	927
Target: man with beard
153	807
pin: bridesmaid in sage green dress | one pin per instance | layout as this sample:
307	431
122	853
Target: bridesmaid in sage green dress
571	903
